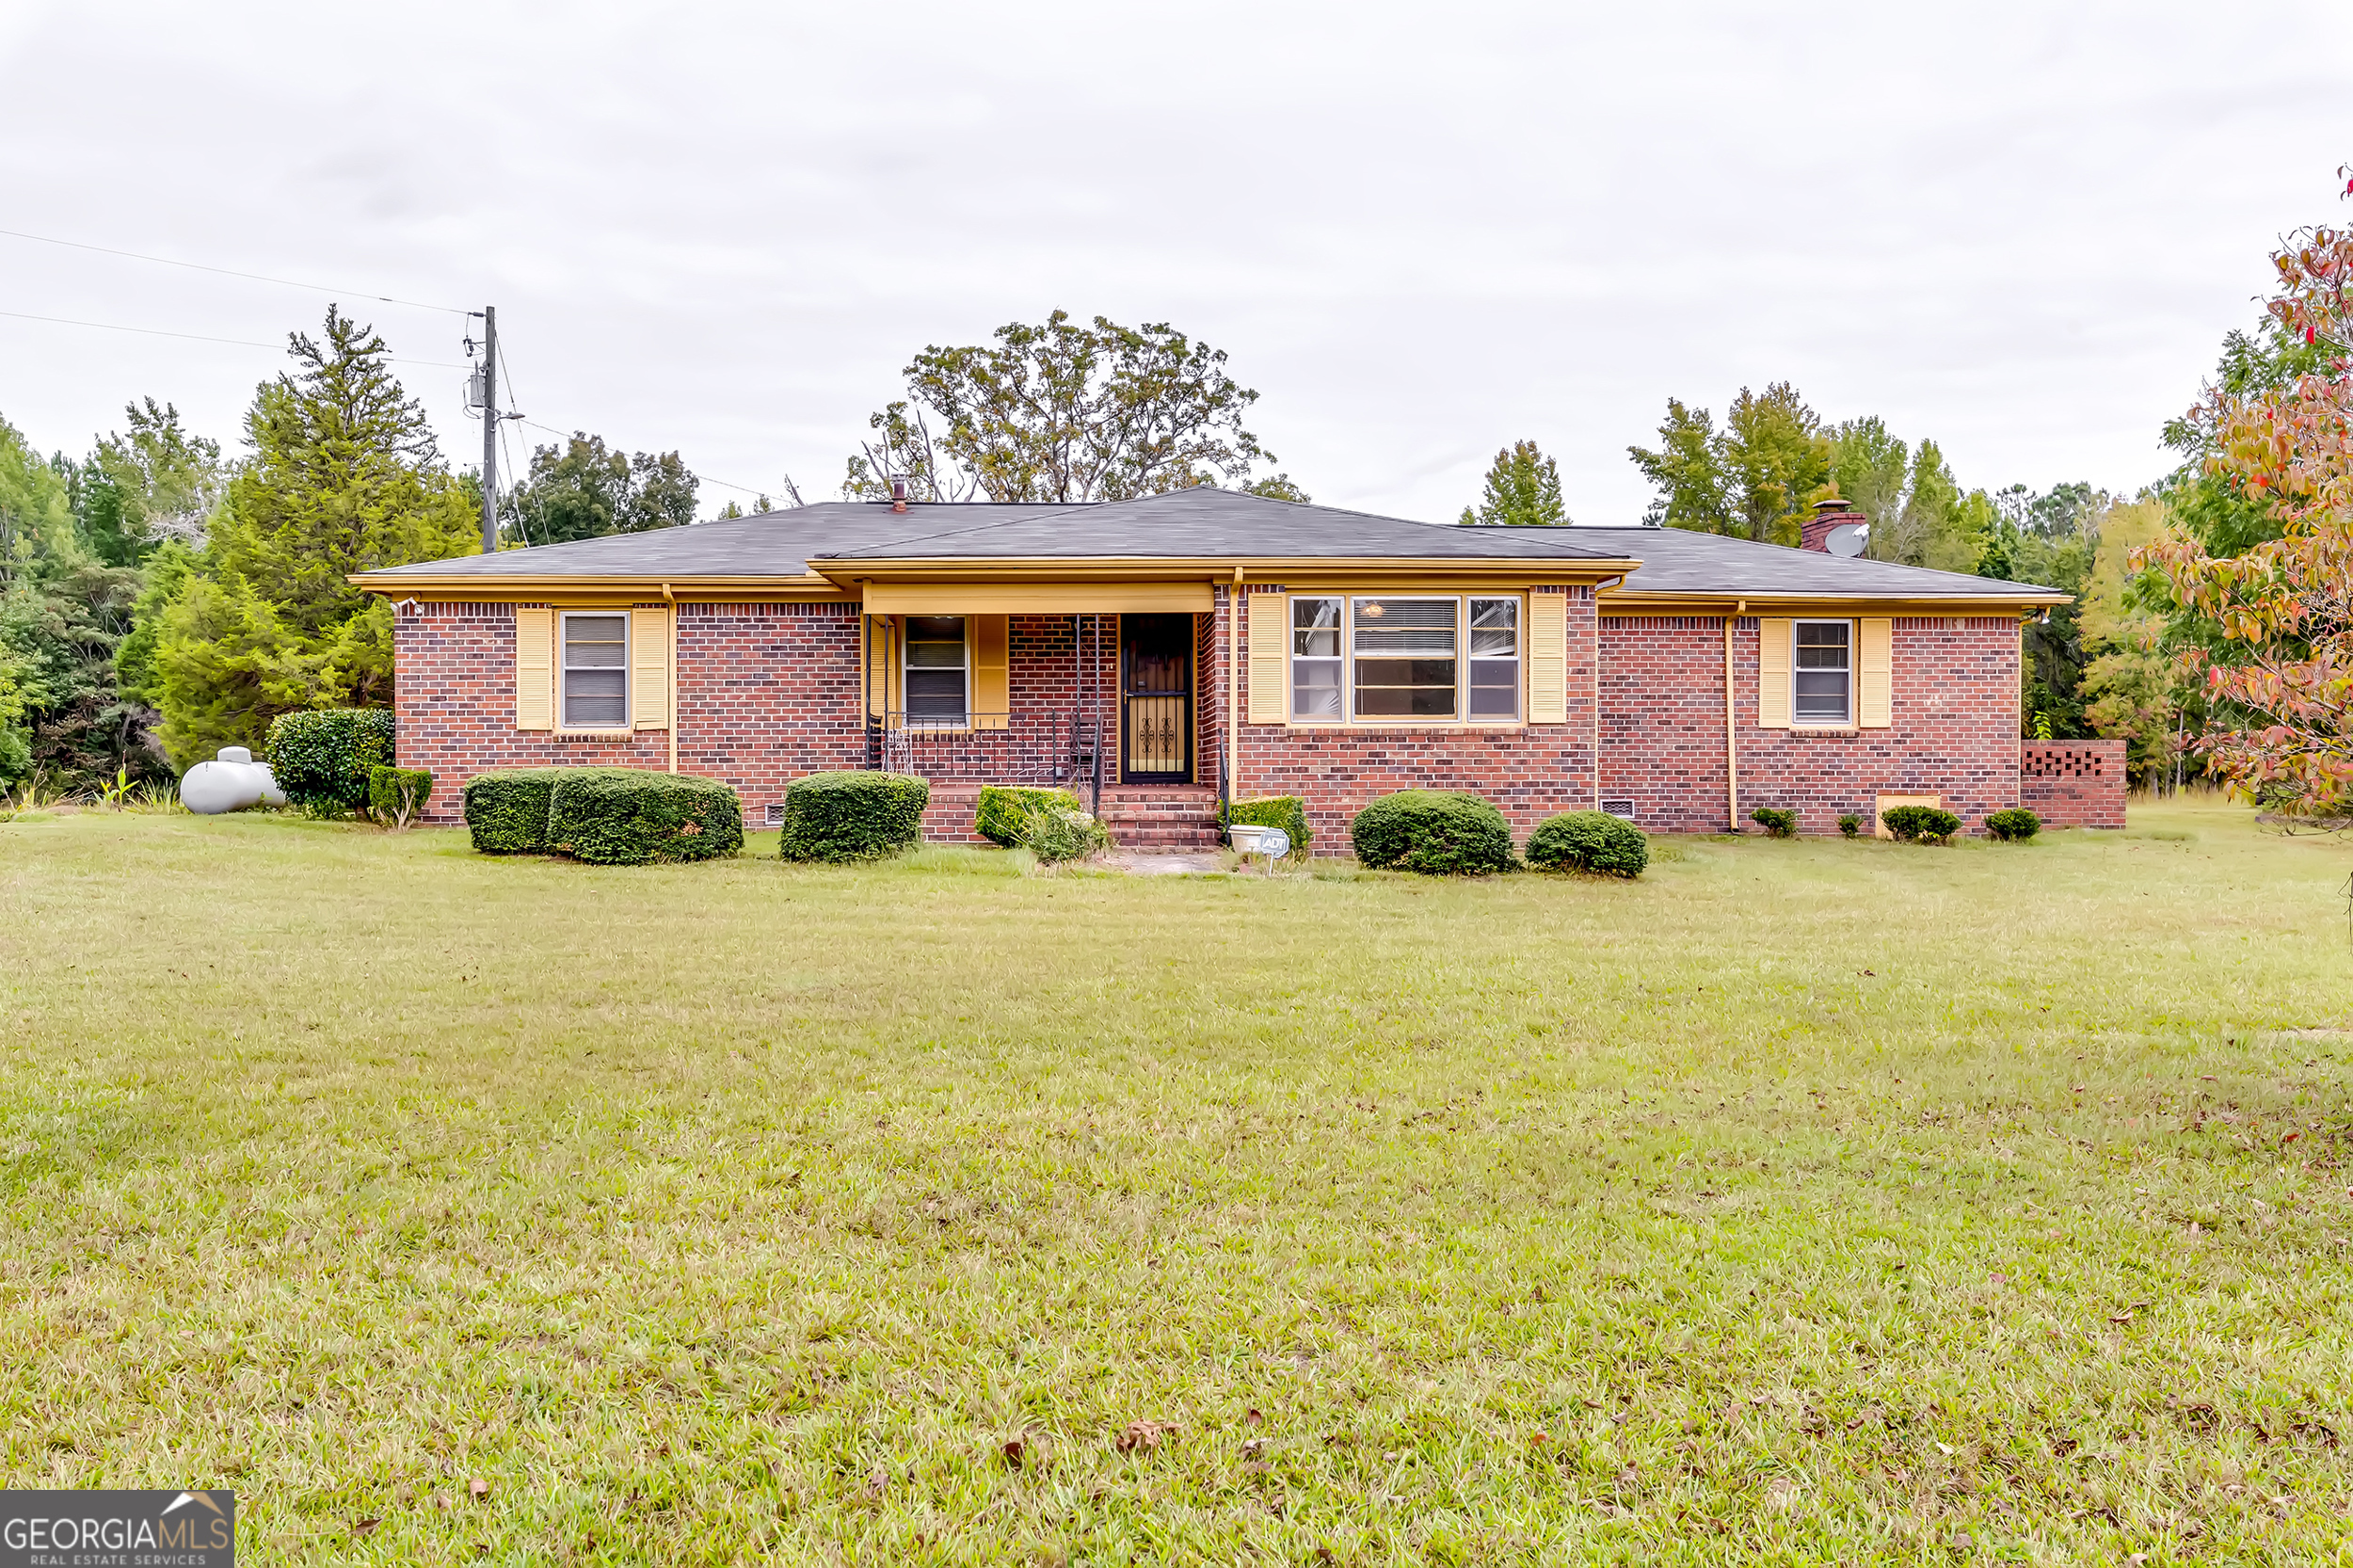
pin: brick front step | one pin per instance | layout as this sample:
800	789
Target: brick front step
1170	839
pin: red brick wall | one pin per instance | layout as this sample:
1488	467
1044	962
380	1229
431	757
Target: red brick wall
1531	772
1953	735
766	693
1662	720
2073	783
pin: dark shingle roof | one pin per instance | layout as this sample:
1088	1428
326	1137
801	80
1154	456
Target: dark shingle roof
1677	561
1191	524
1229	524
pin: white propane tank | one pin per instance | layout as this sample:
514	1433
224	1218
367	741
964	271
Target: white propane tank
230	782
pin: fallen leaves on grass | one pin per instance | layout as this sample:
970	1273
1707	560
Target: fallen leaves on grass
1143	1435
364	1525
478	1488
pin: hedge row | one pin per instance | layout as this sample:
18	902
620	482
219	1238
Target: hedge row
605	816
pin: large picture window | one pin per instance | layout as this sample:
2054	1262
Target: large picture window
596	672
1405	663
935	682
1316	658
1406	659
1822	673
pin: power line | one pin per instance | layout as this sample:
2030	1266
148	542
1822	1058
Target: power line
232	272
196	337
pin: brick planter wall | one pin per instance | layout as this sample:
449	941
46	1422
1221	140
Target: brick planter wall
2073	783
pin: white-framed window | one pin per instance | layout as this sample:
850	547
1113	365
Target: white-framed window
595	670
1821	673
1316	658
1405	657
935	680
1494	658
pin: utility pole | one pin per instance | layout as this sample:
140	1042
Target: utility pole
490	429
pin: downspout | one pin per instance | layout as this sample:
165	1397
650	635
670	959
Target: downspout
1233	688
1732	726
1610	583
671	599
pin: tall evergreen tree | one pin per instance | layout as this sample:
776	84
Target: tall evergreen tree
1754	478
1523	490
344	476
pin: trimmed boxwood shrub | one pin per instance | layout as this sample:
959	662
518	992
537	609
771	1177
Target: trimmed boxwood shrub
507	812
1921	825
2014	824
1288	812
321	758
852	816
1588	842
1774	820
1438	832
396	794
634	817
1003	810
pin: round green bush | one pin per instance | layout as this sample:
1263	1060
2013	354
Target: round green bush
852	816
1438	832
1776	822
1588	842
2014	824
1921	825
506	812
321	758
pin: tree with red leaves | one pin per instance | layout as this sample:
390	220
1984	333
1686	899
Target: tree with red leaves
2277	670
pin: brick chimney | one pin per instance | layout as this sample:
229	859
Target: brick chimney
1828	512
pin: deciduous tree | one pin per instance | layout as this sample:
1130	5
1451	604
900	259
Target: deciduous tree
584	491
1064	412
2279	674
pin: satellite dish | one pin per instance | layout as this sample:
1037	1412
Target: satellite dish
1849	539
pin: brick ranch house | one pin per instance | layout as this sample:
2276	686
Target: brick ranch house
1161	653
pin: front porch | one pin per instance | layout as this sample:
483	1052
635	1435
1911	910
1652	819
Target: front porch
1119	708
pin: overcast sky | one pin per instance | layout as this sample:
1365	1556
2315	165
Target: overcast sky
1421	232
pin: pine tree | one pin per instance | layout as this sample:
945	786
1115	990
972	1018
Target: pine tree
1523	490
345	477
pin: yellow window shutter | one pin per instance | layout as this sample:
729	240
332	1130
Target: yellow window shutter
992	673
650	668
1772	674
879	655
1877	706
535	669
1269	657
1547	658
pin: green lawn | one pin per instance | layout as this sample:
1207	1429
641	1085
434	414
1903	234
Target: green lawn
1803	1202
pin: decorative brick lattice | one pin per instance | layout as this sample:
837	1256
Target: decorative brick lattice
2073	783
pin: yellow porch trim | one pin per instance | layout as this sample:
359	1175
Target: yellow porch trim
1036	599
